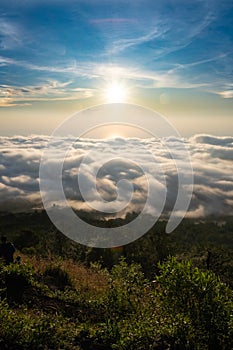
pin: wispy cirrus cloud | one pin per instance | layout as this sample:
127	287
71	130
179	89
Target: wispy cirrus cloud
148	78
177	77
55	90
155	44
71	67
108	71
163	36
112	20
225	94
123	44
11	34
11	96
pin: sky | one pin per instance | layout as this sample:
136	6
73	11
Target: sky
157	73
58	57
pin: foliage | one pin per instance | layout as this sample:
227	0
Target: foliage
22	330
134	297
15	279
183	308
201	305
127	285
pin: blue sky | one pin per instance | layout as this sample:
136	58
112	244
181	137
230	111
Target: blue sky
175	56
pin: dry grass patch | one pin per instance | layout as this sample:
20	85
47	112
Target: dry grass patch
83	279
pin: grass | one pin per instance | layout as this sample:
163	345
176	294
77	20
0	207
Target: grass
85	280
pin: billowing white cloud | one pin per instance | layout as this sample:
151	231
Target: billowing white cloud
211	160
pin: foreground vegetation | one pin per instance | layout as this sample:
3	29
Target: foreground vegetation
183	308
65	296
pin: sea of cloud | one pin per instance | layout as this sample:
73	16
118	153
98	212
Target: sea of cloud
211	158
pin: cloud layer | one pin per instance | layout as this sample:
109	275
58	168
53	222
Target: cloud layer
211	159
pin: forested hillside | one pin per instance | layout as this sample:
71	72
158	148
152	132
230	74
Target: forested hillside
160	292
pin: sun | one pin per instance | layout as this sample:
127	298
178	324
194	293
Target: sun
115	93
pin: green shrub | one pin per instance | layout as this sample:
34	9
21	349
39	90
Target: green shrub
22	330
128	322
196	306
126	287
184	309
14	279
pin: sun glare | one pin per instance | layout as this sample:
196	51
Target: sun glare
115	93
